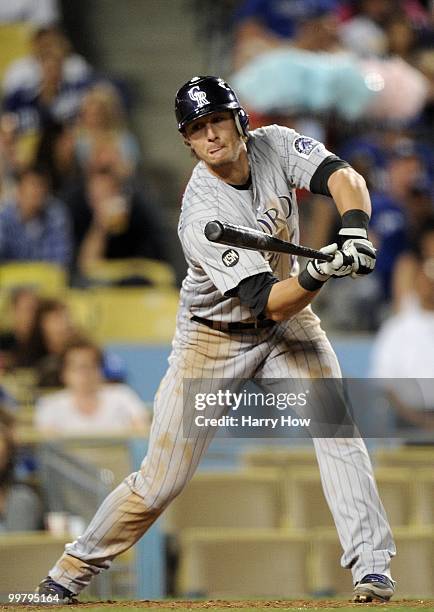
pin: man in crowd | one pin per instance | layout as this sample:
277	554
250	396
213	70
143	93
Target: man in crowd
34	226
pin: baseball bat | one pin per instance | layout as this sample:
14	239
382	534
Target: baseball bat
255	240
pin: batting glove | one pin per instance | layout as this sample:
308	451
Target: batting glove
363	254
353	241
318	272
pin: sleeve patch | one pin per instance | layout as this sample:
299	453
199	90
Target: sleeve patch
304	146
230	258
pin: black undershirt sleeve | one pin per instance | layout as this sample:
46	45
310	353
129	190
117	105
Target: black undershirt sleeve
318	182
254	292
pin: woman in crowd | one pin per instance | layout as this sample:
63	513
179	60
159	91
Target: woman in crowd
51	331
86	405
102	138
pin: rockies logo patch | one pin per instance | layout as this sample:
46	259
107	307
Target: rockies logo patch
230	258
304	145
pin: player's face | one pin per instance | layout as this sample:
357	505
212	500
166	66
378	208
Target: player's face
215	139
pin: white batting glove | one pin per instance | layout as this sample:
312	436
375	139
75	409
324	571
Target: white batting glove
364	254
337	267
318	272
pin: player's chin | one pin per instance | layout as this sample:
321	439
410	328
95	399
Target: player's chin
217	161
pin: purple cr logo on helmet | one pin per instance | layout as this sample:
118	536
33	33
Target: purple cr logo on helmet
203	95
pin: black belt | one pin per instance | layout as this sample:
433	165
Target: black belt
239	326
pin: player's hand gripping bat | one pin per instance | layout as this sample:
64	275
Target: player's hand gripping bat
255	240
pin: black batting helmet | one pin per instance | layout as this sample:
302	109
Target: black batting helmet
203	95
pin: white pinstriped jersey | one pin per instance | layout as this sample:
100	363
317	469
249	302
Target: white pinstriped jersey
280	160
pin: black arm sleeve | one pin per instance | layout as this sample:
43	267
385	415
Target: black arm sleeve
254	291
318	182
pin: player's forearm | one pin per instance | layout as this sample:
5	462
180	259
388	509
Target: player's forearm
349	191
286	298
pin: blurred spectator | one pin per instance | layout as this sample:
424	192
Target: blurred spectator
102	139
404	349
14	343
405	270
56	153
401	201
261	25
87	406
353	88
26	73
405	167
53	330
364	32
35	12
401	36
112	224
279	69
380	27
20	506
10	162
35	226
8	405
389	233
50	97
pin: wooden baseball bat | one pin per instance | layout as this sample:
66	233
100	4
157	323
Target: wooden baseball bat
255	240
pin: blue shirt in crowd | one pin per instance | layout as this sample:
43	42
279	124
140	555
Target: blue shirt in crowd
388	222
282	16
46	237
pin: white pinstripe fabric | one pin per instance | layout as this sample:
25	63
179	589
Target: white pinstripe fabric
294	350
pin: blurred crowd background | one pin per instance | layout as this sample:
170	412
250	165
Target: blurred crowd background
92	172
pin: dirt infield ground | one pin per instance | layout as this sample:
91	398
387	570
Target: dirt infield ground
403	605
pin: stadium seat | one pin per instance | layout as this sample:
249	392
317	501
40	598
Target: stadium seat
82	306
23	556
14	43
412	568
158	273
47	277
412	457
227	563
135	315
398	494
21	385
424	497
228	499
306	506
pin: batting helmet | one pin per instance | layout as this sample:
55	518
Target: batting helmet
203	95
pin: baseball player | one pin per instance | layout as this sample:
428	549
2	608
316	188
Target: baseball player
243	315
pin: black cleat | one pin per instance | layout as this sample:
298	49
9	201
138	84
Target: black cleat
52	592
373	587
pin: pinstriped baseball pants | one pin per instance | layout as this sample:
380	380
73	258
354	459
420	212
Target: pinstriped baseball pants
295	349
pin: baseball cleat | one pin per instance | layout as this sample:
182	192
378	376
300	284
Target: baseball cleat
54	593
373	587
